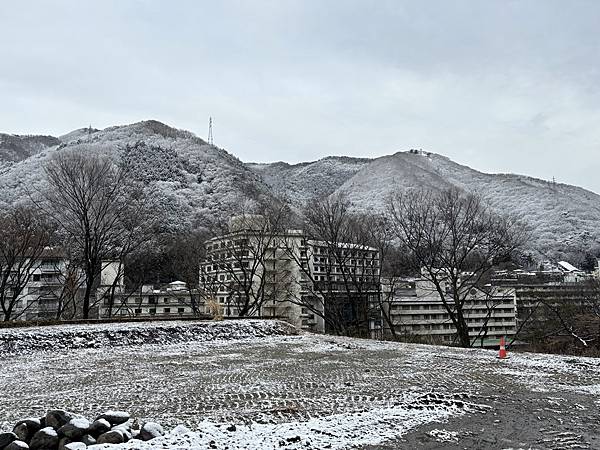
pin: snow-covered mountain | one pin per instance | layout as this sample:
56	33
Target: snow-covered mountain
14	148
196	184
193	184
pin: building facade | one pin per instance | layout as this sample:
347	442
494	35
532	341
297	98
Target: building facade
52	291
171	300
415	309
253	271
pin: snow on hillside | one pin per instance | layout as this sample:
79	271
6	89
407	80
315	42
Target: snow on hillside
14	148
195	184
563	218
305	181
75	135
192	183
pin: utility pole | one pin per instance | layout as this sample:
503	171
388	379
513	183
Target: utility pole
210	131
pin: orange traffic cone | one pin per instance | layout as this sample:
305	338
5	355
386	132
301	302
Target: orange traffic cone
502	352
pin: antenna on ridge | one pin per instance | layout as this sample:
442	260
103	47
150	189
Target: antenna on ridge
210	131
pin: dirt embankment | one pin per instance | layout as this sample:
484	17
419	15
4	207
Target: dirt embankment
66	337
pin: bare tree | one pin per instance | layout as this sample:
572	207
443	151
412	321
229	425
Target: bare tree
185	254
71	279
24	234
86	195
340	271
135	228
144	266
238	264
454	239
562	317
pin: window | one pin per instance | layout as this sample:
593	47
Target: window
36	277
138	311
152	311
152	299
167	310
180	310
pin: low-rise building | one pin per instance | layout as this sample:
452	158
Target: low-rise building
172	300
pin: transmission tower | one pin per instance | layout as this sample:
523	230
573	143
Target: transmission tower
210	132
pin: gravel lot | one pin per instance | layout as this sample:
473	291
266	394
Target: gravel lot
331	392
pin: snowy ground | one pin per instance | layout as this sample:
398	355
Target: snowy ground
317	392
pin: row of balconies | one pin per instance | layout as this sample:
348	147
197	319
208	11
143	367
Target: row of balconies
480	311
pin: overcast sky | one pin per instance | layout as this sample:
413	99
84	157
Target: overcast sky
501	86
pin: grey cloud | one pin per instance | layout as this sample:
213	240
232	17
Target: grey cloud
502	86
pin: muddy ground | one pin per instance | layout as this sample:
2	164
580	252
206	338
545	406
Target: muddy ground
458	398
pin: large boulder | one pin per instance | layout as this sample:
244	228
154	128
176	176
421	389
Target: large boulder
75	429
26	428
99	426
17	445
56	418
7	438
88	439
123	428
111	437
45	439
115	417
63	442
151	430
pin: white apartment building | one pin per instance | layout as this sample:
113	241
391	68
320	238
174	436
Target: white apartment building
416	309
282	274
52	291
172	300
256	270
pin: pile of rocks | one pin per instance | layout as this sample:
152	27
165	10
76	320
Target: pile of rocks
62	430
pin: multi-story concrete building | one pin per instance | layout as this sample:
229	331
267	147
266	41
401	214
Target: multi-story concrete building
415	308
544	295
52	291
347	279
253	271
